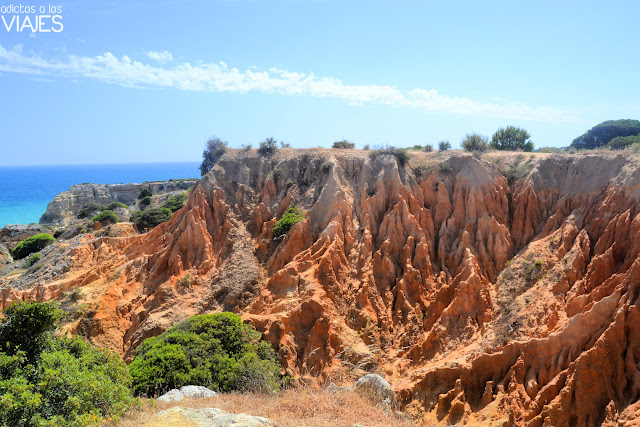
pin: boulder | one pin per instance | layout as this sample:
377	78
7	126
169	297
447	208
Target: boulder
376	389
5	255
205	417
186	392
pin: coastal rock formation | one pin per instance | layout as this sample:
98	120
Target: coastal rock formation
64	208
500	290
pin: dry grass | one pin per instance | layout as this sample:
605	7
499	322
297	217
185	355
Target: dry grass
289	408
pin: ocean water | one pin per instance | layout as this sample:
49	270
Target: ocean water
25	191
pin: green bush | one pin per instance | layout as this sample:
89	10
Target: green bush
145	192
512	138
326	167
474	142
213	150
113	205
32	260
174	203
106	217
428	148
49	381
288	220
88	210
213	350
444	145
32	244
268	147
401	154
622	142
343	144
150	218
146	201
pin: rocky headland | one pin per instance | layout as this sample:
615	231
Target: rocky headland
499	289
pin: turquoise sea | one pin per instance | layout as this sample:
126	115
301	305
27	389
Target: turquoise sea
25	191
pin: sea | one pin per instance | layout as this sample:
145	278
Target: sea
25	191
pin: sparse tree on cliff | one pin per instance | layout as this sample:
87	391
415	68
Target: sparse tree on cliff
213	150
511	138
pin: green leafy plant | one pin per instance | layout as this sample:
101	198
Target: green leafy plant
292	216
444	145
444	167
268	147
113	205
213	350
326	167
401	154
88	210
106	217
511	138
213	150
622	142
32	260
47	380
343	144
176	202
475	142
32	244
145	192
146	201
151	218
428	148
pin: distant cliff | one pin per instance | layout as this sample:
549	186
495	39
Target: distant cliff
64	208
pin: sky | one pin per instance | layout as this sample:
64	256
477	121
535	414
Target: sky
135	81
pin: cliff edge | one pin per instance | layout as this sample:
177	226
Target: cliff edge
497	290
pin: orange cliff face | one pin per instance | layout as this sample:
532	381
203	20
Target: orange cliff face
492	291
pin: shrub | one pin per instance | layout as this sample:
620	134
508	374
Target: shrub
511	138
89	210
268	147
622	142
343	144
146	201
444	145
32	244
175	203
401	154
49	380
292	216
428	148
145	192
32	260
444	167
366	147
326	167
185	281
213	150
151	218
106	217
113	205
474	142
213	350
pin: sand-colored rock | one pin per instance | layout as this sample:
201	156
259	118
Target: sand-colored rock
483	300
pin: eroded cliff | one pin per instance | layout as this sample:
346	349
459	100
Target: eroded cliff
500	290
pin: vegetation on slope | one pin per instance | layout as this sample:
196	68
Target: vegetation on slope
49	381
32	244
217	351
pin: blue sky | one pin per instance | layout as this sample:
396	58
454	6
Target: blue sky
135	81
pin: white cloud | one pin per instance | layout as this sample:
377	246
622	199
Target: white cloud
219	77
161	57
